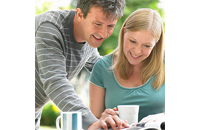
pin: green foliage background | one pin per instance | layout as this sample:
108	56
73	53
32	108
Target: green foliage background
131	5
50	111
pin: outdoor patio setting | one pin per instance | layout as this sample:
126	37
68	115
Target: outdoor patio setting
50	112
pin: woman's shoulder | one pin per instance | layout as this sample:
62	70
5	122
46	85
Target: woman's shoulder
106	60
108	57
102	66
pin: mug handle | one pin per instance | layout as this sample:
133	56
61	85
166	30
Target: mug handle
57	123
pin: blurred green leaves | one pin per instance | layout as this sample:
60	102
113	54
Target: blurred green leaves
110	43
44	7
49	114
131	5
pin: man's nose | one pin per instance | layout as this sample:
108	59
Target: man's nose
104	32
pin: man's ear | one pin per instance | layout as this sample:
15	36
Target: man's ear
79	14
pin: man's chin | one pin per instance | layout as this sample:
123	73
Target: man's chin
95	45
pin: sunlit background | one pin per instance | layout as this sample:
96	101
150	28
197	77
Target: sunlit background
50	111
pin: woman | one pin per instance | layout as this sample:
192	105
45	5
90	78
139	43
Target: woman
134	73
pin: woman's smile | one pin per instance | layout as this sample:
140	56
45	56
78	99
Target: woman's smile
134	56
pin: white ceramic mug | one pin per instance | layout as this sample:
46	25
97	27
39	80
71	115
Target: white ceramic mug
70	121
129	113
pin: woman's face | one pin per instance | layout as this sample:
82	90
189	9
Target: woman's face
137	46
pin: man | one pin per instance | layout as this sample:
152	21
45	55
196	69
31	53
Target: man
65	42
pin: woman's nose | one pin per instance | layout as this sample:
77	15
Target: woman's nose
137	49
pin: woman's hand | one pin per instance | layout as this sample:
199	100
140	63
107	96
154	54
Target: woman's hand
153	118
110	116
108	112
108	119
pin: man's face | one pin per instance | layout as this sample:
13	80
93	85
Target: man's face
96	27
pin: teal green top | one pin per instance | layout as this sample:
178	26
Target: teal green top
149	100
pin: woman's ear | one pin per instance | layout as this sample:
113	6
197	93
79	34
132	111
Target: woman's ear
124	30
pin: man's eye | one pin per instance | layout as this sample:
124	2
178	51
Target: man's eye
111	26
97	24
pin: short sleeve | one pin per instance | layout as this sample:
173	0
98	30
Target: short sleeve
96	75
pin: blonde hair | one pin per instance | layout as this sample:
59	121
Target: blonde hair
141	20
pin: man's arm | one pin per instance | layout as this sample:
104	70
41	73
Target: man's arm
52	71
92	60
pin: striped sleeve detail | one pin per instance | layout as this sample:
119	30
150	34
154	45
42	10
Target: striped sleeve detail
92	60
51	60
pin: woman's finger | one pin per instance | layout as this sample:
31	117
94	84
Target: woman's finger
104	115
111	122
114	109
125	124
110	112
118	121
104	125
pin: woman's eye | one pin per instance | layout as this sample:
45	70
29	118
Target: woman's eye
147	46
132	41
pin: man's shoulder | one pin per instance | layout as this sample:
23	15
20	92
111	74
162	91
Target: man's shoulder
55	13
59	18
